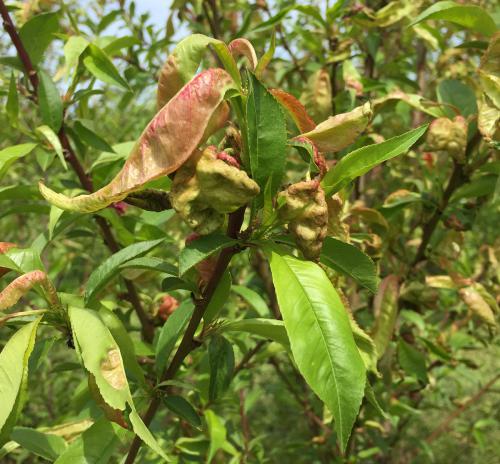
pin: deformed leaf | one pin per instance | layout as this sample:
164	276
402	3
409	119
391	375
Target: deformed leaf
339	131
295	109
478	305
244	48
166	143
317	97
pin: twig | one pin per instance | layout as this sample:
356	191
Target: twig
85	180
248	356
188	343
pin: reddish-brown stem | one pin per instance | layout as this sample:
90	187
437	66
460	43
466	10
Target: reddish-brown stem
188	342
85	180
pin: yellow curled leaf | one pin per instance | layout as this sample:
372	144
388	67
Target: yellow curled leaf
243	47
166	143
339	131
478	305
317	96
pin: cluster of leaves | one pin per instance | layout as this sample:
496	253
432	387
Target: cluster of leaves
285	262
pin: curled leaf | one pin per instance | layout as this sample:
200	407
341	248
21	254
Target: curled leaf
166	143
478	305
295	109
11	294
317	97
244	48
183	63
5	246
339	131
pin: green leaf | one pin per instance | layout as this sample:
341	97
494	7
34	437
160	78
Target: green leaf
37	34
360	161
10	155
221	362
170	333
91	138
111	266
266	57
98	63
200	249
478	187
386	312
14	376
469	16
150	263
219	298
217	433
51	106
253	299
42	444
73	49
125	343
412	361
457	94
12	106
183	408
321	339
95	445
266	135
351	261
268	328
52	138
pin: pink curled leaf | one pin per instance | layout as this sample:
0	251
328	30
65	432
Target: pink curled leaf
295	109
242	47
11	294
4	247
166	143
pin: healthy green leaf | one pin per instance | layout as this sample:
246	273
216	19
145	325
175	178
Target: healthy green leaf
266	58
217	433
351	261
73	49
51	106
253	299
111	266
221	362
266	135
183	408
14	376
321	339
37	34
12	106
11	154
360	161
201	248
412	361
52	138
170	333
91	138
267	328
42	444
457	94
469	16
98	63
219	298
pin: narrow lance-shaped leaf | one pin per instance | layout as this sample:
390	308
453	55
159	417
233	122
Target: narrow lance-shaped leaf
13	376
266	58
386	310
166	143
321	339
51	107
339	131
360	161
266	136
184	61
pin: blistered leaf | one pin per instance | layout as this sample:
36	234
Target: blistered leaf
244	48
317	97
295	109
478	306
339	131
385	307
166	143
11	294
183	63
